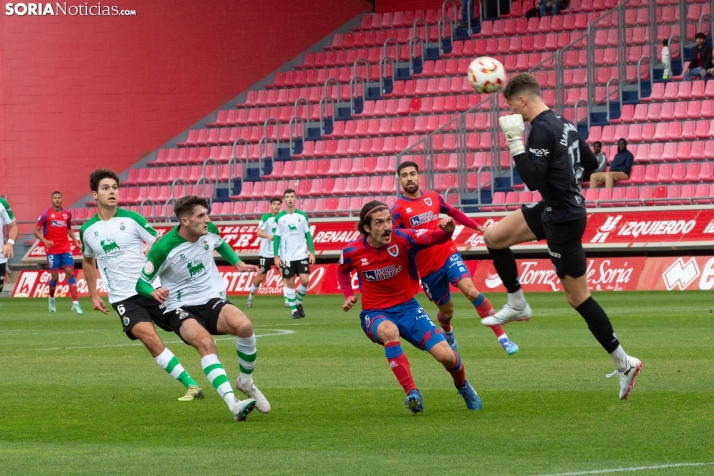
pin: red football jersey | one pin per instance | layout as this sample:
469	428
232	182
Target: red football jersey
423	214
55	226
387	276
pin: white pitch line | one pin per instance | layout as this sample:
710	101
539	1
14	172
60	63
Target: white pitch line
633	468
280	332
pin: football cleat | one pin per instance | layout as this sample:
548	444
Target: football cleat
627	378
296	315
77	308
241	409
249	302
51	305
261	403
473	401
508	314
193	392
413	402
451	340
509	346
300	310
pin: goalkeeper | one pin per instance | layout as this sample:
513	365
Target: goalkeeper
552	164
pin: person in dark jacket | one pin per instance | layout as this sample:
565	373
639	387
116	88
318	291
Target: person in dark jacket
619	168
701	64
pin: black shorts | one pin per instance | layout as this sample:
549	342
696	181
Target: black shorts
140	309
565	244
293	268
205	314
265	264
3	270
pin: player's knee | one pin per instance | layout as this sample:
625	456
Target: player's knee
388	332
490	239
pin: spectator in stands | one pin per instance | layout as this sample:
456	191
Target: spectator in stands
666	59
701	63
601	161
553	6
467	11
619	169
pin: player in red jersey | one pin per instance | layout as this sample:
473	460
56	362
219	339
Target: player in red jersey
388	279
441	265
54	229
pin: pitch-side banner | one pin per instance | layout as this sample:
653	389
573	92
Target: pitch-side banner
621	229
604	274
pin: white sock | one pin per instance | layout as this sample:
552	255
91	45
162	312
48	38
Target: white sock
245	347
254	289
75	302
289	294
502	337
216	374
517	300
52	299
619	357
301	292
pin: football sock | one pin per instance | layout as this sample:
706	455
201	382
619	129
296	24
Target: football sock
289	294
216	374
445	323
458	373
505	264
73	289
168	361
619	357
399	365
516	299
254	289
245	347
599	324
485	309
301	292
53	287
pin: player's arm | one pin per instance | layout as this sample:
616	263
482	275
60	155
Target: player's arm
458	216
308	239
89	267
152	268
396	213
276	241
70	232
261	233
9	220
229	255
532	165
344	278
588	160
421	239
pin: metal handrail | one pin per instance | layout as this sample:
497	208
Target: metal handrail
413	52
295	121
205	183
354	90
153	208
383	72
306	103
443	21
643	59
173	184
417	21
478	179
444	9
263	147
387	42
325	102
272	120
203	170
234	159
701	20
681	48
165	207
458	193
607	95
366	73
587	109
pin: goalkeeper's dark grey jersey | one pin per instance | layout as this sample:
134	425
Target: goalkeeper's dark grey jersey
553	163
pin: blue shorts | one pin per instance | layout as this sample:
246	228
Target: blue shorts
60	260
436	285
412	321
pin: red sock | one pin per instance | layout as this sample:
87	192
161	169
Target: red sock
53	287
399	365
485	309
445	323
73	292
458	373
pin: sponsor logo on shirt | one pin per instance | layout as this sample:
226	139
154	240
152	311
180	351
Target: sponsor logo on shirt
195	268
422	218
539	152
58	223
109	245
382	274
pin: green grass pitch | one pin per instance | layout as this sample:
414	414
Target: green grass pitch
77	397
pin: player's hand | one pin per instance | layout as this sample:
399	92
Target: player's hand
513	127
276	262
98	304
48	243
311	258
686	70
247	268
78	244
349	302
481	228
8	251
161	294
447	225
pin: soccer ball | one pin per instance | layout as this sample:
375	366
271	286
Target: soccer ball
486	75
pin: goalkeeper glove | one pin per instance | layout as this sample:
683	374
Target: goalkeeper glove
513	127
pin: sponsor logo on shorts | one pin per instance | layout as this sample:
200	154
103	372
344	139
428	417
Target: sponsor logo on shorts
217	303
553	253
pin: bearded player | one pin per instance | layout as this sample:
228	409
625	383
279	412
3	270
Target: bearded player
441	265
386	270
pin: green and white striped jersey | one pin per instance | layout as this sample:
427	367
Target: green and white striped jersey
267	223
6	217
118	245
187	269
291	229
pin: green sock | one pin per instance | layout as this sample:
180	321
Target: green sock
216	374
168	361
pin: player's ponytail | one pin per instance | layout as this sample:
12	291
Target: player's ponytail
365	214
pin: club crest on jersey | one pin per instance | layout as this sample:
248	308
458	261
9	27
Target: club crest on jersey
393	251
205	245
182	256
121	226
149	267
427	201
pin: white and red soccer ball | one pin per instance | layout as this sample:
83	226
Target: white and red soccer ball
486	75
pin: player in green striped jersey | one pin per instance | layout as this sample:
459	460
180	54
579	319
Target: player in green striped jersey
183	260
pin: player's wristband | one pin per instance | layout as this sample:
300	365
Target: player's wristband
11	241
516	147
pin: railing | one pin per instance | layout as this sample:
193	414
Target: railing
414	44
587	111
383	71
607	95
235	160
203	170
263	151
354	91
153	209
272	120
444	9
640	62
